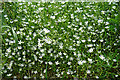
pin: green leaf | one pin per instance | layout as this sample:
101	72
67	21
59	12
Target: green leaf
6	26
15	36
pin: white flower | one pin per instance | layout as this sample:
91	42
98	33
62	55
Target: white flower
50	63
113	7
89	45
48	40
107	27
101	40
44	71
84	61
57	63
13	53
116	75
71	58
93	40
46	30
102	57
103	12
83	40
80	62
25	77
5	15
90	50
40	8
60	53
100	21
69	63
90	60
97	77
89	27
114	60
9	74
88	71
35	72
53	17
69	26
72	16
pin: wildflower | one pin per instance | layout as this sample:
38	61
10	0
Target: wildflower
100	21
102	57
103	12
69	63
46	30
48	40
88	71
53	17
35	72
83	41
25	77
116	75
56	62
114	60
90	50
80	62
9	74
93	40
90	60
50	63
97	77
89	45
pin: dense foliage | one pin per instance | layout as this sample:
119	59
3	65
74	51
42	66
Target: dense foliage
61	40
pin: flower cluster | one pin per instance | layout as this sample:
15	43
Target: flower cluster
63	40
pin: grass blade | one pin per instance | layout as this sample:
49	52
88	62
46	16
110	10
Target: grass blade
15	36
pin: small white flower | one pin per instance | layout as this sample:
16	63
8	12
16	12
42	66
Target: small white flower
46	30
116	75
50	63
9	74
13	53
71	58
69	63
72	16
100	21
48	40
90	60
5	15
113	7
90	50
35	72
114	60
103	12
57	63
93	40
83	40
97	77
53	17
89	45
101	40
69	26
107	27
84	61
40	8
25	77
88	71
102	57
80	62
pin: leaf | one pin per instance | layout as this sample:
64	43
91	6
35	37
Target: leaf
15	36
6	26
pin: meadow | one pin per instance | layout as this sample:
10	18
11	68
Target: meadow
61	40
